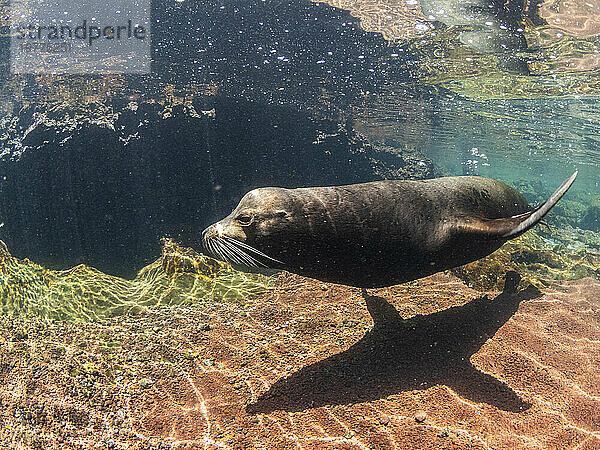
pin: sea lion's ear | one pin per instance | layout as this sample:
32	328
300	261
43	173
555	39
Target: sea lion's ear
511	227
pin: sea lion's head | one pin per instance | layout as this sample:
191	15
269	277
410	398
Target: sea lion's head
258	232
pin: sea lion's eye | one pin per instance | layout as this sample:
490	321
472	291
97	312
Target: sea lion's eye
244	219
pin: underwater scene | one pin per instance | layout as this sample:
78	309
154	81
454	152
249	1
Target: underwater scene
337	224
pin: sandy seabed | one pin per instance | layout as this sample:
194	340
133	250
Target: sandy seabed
427	364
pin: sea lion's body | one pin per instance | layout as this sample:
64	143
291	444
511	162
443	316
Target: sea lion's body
374	234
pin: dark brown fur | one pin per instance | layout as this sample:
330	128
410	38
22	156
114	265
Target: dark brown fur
380	233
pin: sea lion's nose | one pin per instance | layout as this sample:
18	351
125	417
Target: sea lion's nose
213	231
209	232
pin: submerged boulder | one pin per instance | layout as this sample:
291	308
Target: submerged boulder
180	277
591	217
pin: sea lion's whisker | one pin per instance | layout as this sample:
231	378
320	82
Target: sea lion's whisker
252	262
235	256
246	259
227	252
250	249
261	255
230	256
215	249
210	245
246	252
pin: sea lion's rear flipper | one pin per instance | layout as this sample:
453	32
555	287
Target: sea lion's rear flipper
512	227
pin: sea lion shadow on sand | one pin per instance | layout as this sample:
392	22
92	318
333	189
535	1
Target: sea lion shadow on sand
400	355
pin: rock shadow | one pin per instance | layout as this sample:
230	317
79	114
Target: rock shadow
399	355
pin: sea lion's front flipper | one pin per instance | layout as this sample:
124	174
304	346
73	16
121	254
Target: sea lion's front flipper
512	227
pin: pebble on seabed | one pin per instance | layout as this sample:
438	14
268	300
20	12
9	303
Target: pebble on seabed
420	416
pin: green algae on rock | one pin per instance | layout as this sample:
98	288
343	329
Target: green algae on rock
590	219
538	258
180	277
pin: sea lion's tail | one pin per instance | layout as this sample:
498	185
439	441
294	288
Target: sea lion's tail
514	226
511	227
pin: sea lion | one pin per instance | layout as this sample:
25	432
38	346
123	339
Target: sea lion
374	234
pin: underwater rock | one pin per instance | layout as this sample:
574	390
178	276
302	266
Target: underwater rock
526	255
591	218
176	259
542	257
421	416
576	239
487	273
569	214
180	277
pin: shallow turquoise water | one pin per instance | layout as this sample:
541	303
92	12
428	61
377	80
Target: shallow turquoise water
539	140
